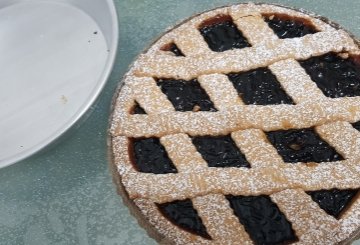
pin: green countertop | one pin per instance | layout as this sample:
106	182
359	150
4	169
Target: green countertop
64	195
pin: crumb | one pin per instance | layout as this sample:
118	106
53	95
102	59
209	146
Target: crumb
196	108
63	99
311	164
295	147
344	55
95	32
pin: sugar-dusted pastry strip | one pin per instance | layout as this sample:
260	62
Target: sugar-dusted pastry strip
221	223
190	41
220	90
312	224
255	29
257	149
149	95
295	81
183	153
164	226
242	181
343	137
123	104
267	118
349	221
236	60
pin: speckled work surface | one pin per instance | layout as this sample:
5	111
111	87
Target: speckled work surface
64	195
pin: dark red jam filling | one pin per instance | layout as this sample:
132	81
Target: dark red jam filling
184	215
335	76
334	201
172	47
186	95
302	145
259	87
221	34
262	219
220	151
286	26
137	109
149	156
356	125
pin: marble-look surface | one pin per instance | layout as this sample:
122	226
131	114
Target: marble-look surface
64	195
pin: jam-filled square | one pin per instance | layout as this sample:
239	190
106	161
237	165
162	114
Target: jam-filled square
334	201
356	125
185	216
186	95
259	87
148	155
220	151
173	48
262	219
285	26
302	145
221	34
334	75
137	109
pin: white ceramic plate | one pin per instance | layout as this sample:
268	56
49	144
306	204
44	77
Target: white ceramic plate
55	57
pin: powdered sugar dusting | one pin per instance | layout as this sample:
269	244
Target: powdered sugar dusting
295	81
257	149
242	181
269	175
310	222
253	57
165	227
221	223
220	90
268	118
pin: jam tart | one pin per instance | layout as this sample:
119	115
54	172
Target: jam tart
241	126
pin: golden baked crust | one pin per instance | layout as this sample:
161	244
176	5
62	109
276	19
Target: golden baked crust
286	184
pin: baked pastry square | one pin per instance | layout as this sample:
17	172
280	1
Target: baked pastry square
241	126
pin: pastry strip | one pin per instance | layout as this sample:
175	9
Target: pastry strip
310	222
242	181
267	118
220	90
167	66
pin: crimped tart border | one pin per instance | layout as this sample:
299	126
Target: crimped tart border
134	210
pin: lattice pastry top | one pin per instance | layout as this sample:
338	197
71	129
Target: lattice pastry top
239	126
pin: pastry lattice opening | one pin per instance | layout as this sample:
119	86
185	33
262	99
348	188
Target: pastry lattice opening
149	156
186	95
302	145
183	214
285	26
262	219
356	125
259	87
221	34
220	151
137	109
335	201
334	75
172	47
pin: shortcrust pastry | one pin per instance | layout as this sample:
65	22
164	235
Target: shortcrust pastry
240	126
